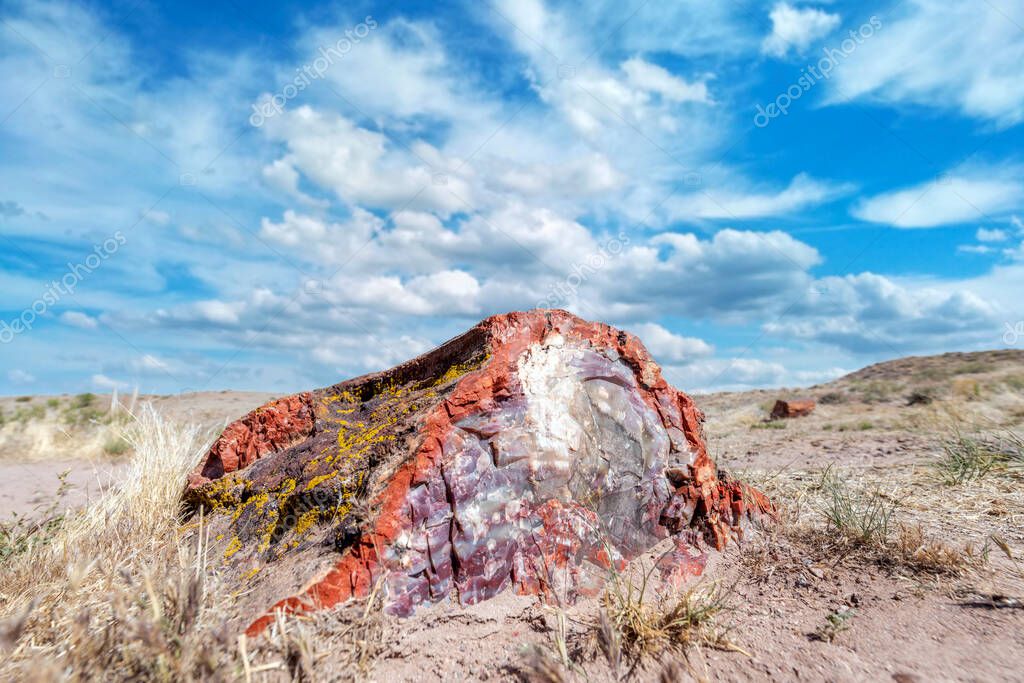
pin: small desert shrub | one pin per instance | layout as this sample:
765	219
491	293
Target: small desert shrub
769	424
29	413
973	368
116	446
83	415
53	403
832	398
922	397
876	392
23	399
83	400
835	623
21	534
966	388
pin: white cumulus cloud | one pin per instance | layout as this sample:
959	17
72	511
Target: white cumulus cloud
668	347
796	28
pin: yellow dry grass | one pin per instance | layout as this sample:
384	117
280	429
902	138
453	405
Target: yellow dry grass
126	591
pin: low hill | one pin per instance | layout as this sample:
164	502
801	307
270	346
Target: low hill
942	366
924	378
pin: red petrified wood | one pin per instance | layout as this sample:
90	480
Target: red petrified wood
534	452
273	427
796	408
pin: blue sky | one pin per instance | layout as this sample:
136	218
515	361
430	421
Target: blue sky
274	196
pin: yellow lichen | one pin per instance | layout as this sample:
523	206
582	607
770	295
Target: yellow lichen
456	371
219	494
233	547
306	521
266	532
316	481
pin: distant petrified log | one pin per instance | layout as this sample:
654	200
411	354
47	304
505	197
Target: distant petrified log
797	408
533	452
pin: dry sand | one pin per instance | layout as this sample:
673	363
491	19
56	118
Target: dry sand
30	487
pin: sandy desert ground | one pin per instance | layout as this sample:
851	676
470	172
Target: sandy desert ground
45	440
896	555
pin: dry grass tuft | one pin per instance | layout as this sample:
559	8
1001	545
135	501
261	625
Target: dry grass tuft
118	587
635	623
837	517
541	665
635	626
125	591
1003	546
965	458
971	452
344	642
554	661
864	517
923	554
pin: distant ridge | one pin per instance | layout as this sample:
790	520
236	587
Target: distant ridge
937	367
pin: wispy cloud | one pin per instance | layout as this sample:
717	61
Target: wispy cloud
958	55
971	194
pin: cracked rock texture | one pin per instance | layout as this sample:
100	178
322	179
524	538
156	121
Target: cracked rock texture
532	453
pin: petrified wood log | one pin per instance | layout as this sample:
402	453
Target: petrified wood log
801	407
533	452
